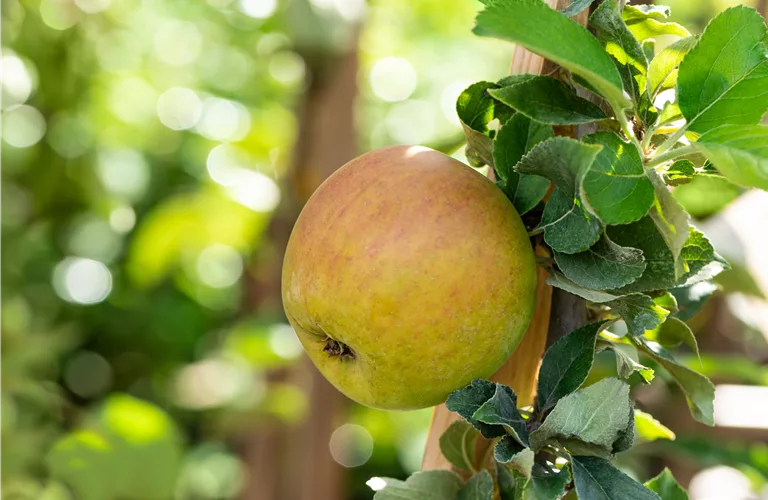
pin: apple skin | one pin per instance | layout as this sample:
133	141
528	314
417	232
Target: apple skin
419	267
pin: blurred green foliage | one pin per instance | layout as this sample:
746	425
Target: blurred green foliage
143	147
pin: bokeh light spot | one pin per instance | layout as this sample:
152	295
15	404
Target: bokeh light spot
349	10
223	120
179	108
259	9
743	406
211	472
178	43
88	374
287	67
82	281
23	126
351	445
393	79
123	172
376	483
284	343
213	382
93	6
720	482
92	237
219	266
17	82
117	51
70	136
122	219
135	420
132	100
223	59
411	122
59	14
227	166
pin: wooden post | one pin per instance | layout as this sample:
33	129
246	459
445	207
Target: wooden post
520	370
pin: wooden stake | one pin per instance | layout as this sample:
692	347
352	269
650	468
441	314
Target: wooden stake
520	370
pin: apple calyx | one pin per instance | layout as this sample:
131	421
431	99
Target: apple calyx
340	349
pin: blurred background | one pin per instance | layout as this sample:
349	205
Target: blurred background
155	154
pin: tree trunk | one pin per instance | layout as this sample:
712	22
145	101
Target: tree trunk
275	454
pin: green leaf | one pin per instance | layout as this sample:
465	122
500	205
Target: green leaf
670	219
699	391
665	485
628	363
595	416
666	301
576	6
129	450
672	333
515	79
510	452
426	485
548	100
722	80
652	28
605	266
479	487
501	409
640	12
697	254
511	484
479	150
650	429
518	136
546	483
561	160
621	45
458	445
702	260
680	172
615	186
557	279
664	65
739	152
639	312
626	437
467	400
559	39
94	478
596	479
647	112
670	113
475	109
526	192
649	48
568	228
566	365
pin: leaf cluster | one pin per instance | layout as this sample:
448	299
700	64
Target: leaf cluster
603	204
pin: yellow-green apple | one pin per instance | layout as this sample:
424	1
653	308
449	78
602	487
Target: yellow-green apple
407	275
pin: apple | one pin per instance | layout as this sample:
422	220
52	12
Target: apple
407	275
